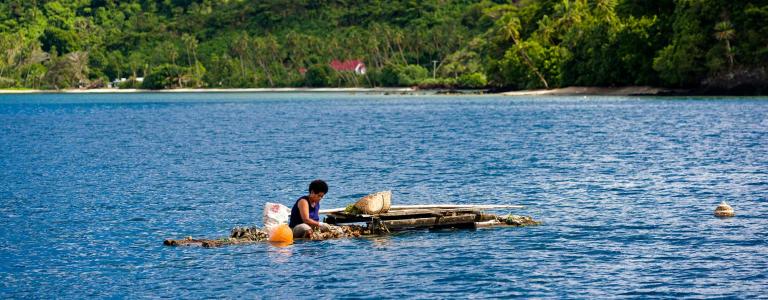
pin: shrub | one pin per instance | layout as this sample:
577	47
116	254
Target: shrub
319	75
437	83
166	76
131	83
388	76
411	75
472	81
398	75
7	83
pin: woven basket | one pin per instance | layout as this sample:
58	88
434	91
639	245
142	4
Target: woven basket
376	203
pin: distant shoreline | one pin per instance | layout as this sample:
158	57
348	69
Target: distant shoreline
233	90
599	91
566	91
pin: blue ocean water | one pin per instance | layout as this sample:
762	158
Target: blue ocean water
625	186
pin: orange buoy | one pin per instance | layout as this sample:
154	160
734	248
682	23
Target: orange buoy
281	234
724	210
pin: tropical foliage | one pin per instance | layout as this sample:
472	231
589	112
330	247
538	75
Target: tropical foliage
437	43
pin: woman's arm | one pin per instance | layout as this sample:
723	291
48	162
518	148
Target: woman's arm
304	211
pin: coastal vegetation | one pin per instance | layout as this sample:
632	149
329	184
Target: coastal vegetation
526	44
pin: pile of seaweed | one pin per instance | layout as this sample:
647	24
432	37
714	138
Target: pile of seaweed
519	221
250	235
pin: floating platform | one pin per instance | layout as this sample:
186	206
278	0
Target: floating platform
348	225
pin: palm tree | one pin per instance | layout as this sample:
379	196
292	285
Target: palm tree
78	62
511	31
724	32
240	47
191	44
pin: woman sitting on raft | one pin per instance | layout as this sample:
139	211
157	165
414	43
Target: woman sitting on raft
305	214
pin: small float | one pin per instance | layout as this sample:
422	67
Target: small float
724	210
373	215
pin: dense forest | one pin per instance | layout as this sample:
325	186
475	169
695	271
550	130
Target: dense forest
521	44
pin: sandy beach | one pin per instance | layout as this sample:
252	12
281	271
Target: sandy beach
595	91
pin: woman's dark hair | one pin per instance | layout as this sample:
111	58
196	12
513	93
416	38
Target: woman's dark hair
318	186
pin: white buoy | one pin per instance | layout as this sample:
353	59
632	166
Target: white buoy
724	210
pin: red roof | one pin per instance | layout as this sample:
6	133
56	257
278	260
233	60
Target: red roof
347	65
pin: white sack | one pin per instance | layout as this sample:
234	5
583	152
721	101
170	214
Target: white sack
275	214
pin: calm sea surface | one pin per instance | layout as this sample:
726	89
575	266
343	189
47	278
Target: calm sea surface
90	185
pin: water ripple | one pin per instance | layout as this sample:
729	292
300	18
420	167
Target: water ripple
625	186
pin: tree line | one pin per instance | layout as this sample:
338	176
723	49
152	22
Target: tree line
522	44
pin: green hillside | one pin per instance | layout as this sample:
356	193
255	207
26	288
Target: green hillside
441	43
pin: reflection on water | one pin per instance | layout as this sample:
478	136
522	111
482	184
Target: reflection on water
382	242
279	252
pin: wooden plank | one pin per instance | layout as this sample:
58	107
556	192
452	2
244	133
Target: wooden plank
460	219
410	212
486	217
410	223
449	206
436	212
415	212
340	218
429	222
343	218
430	206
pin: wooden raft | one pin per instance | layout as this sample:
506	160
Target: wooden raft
402	219
398	218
